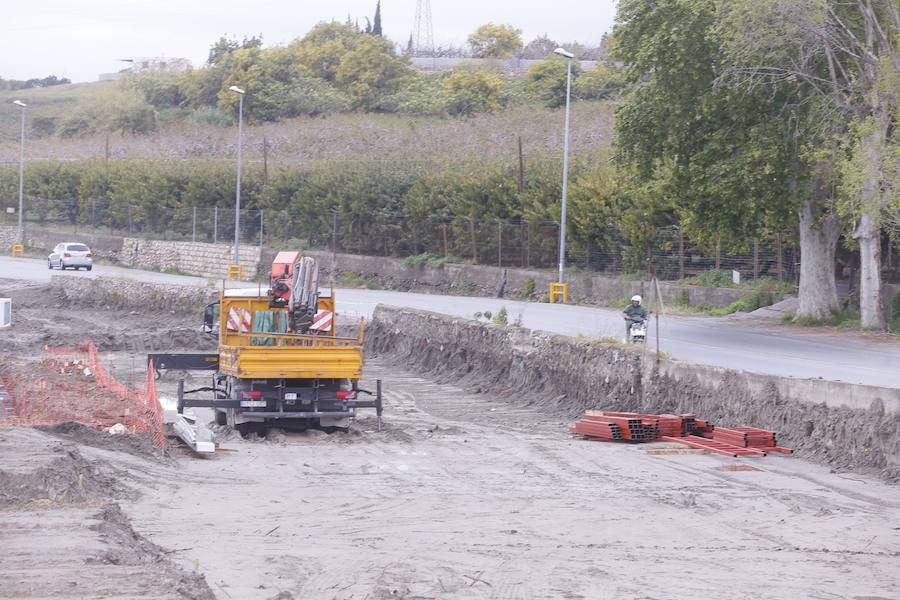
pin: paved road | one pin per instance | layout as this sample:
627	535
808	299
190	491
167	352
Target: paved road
727	342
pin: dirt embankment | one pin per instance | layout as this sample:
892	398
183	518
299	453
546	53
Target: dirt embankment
64	533
117	315
565	376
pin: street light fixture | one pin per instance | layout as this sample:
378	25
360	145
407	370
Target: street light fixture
565	182
20	235
237	200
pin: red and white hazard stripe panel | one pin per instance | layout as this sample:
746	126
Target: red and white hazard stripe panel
323	320
239	319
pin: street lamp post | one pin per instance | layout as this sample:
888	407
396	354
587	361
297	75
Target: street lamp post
20	235
565	182
237	200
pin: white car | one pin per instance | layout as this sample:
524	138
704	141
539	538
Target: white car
71	255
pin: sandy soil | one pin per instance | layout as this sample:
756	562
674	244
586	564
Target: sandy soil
462	498
62	533
457	497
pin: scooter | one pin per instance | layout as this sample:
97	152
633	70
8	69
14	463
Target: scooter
638	330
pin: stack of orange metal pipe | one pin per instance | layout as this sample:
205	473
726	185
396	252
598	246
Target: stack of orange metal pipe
684	429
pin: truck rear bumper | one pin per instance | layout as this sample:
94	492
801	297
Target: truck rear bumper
297	415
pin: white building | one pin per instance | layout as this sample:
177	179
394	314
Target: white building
144	64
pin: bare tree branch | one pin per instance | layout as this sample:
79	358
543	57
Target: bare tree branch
863	47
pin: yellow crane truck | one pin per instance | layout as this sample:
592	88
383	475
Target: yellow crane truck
279	361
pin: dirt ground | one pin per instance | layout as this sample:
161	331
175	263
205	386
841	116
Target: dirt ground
457	497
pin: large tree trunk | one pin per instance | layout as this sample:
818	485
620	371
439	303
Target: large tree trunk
868	234
868	229
818	244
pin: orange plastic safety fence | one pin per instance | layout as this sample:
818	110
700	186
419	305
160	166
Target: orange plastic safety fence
84	392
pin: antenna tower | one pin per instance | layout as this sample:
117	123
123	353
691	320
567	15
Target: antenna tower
423	31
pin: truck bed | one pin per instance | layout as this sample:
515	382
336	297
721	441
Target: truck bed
292	362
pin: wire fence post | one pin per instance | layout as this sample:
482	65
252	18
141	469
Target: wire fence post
262	220
215	224
194	226
528	246
474	241
680	253
446	246
499	243
755	259
780	259
718	252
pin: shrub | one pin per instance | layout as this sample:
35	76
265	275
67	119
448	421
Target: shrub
502	317
210	115
683	298
599	83
711	278
528	290
76	125
548	79
894	314
43	127
470	91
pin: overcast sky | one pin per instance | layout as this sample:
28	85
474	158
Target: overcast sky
80	39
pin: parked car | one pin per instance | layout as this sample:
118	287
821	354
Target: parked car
71	255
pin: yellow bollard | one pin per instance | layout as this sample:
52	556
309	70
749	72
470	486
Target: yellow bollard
235	272
559	292
18	250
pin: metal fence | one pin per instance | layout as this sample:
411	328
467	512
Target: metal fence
503	243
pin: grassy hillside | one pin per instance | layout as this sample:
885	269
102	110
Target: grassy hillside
55	101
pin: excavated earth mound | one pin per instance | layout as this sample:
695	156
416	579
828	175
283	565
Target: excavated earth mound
565	376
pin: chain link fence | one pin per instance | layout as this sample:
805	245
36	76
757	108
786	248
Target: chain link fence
503	243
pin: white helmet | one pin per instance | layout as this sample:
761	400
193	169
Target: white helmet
637	299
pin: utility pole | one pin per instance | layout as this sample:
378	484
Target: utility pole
237	198
20	234
333	245
565	182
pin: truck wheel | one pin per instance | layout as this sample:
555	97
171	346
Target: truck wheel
248	429
221	417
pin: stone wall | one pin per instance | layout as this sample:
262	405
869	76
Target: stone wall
192	258
843	425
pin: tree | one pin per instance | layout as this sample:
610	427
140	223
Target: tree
225	45
731	161
539	48
548	79
370	70
839	54
376	22
471	91
495	41
322	49
600	83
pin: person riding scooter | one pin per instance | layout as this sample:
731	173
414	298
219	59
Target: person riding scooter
634	312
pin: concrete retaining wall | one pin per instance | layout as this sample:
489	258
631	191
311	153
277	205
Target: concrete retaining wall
484	280
843	425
